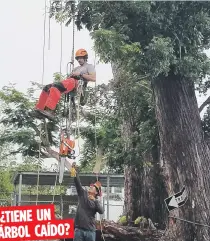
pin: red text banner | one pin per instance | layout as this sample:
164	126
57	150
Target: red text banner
33	223
31	213
54	229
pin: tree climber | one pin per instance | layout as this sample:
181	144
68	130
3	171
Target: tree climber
88	206
51	93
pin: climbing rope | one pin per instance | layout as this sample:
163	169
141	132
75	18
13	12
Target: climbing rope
95	133
60	170
77	129
73	38
61	44
49	23
191	222
71	66
43	69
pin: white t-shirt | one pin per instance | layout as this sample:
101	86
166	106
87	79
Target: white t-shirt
85	69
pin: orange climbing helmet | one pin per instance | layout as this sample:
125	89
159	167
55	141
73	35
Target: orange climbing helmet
81	53
97	185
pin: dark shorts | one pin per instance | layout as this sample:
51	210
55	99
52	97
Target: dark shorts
84	235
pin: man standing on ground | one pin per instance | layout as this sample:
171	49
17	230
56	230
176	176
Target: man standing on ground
88	206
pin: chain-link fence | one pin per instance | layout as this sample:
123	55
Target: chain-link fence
113	205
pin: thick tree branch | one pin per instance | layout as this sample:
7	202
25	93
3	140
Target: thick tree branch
51	153
205	103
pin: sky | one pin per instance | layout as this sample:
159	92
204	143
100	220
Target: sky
21	46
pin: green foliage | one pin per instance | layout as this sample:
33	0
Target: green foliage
20	135
159	56
122	220
133	104
170	35
105	134
111	44
139	220
57	77
21	128
5	183
108	140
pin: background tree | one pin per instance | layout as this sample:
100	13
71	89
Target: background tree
20	137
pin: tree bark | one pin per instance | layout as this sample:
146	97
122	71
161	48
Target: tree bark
145	192
184	155
115	232
152	191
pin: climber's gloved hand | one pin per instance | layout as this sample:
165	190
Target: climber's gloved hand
73	170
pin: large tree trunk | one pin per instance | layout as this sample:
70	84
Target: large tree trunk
145	192
153	191
184	155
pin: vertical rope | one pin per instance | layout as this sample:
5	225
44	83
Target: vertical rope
49	36
73	36
61	45
43	68
43	49
71	68
77	129
95	119
61	122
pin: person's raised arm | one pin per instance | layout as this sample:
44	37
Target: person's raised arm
78	185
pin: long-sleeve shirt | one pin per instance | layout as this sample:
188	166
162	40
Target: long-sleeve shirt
86	209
